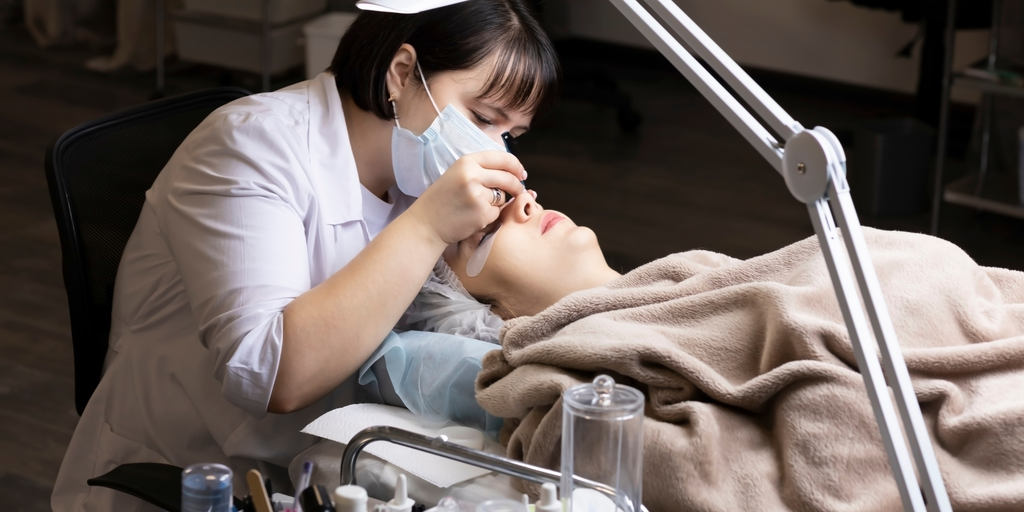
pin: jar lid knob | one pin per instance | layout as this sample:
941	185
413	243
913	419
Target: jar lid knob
603	387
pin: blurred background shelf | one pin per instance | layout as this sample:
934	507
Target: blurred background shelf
236	43
263	37
970	191
278	12
998	195
988	87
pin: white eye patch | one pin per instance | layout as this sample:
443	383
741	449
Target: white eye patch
475	265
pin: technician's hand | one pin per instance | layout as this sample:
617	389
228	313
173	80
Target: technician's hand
459	203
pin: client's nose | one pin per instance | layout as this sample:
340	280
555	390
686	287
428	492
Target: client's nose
521	210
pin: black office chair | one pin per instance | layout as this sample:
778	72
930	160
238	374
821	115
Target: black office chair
98	174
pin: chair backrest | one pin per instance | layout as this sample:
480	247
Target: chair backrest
98	174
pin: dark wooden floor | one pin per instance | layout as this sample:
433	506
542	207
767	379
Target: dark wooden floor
687	180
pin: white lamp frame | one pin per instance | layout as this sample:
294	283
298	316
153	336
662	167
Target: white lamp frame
814	166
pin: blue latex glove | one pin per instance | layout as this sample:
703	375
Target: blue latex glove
433	375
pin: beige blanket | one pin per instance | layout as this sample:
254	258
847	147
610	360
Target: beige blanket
754	400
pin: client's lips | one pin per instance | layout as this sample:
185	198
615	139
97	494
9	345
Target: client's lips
549	220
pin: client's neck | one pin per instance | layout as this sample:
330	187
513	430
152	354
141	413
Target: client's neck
602	277
594	277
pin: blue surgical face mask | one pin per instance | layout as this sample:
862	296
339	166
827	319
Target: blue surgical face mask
419	160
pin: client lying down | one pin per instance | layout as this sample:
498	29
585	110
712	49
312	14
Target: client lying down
753	397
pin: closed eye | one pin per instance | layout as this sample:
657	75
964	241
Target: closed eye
478	238
481	119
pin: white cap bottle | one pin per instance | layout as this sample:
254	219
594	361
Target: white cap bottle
401	501
548	499
350	498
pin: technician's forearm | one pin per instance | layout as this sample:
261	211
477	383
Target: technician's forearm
330	330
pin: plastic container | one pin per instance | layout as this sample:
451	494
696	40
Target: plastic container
322	36
281	11
501	506
236	45
602	441
206	488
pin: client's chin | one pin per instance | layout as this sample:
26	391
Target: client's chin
584	240
582	237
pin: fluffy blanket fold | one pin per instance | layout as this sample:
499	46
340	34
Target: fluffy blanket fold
754	401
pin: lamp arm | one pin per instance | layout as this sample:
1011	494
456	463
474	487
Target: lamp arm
813	164
706	48
764	142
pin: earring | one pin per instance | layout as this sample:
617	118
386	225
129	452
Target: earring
394	108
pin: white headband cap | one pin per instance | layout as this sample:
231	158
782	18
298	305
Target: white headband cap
404	6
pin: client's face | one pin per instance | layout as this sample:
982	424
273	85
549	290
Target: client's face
538	256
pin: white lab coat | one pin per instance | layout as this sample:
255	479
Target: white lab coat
259	204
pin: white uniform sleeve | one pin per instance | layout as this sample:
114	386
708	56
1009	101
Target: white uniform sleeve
232	214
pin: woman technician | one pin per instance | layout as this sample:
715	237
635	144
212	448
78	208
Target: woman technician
282	242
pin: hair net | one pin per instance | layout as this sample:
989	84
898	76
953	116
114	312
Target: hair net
443	305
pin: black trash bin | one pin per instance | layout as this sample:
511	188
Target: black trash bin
888	165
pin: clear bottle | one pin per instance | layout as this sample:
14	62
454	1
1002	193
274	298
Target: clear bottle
602	441
206	488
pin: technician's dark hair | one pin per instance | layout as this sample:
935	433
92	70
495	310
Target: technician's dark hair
526	76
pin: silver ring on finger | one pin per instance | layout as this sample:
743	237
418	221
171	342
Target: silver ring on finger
498	197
